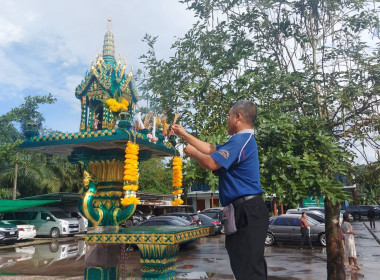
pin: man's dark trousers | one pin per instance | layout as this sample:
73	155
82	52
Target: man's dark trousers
246	247
372	222
305	235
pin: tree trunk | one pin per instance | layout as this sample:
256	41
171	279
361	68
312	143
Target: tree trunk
14	191
274	206
335	251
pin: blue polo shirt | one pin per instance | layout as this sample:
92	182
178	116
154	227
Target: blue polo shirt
239	174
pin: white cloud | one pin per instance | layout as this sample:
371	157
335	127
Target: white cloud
47	46
9	32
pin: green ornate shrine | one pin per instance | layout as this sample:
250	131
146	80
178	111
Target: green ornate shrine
98	148
99	145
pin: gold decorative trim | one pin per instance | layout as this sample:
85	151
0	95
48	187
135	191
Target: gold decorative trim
147	238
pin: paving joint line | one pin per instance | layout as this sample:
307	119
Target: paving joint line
373	234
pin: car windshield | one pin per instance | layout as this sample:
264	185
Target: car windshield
179	219
213	215
11	223
195	217
205	217
318	218
60	214
311	221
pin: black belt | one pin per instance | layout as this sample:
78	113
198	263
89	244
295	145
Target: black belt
237	202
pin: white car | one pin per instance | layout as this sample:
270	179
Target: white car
83	222
25	231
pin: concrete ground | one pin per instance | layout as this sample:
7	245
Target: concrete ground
203	259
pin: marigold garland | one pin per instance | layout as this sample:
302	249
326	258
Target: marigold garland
177	181
131	174
116	106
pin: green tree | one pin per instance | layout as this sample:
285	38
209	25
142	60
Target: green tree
37	173
155	176
308	63
367	179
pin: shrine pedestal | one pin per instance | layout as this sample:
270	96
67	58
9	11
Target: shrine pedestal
158	248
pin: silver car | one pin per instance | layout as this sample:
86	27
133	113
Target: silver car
287	228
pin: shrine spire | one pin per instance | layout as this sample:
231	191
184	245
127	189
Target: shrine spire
109	46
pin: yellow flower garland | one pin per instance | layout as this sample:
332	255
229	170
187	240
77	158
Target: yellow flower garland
131	174
116	106
177	181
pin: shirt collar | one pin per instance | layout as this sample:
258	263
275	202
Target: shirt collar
247	130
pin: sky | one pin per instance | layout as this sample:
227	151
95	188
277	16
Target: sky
47	46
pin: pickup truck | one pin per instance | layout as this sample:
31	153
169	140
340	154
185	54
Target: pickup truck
357	211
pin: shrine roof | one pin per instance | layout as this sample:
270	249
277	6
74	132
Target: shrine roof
96	144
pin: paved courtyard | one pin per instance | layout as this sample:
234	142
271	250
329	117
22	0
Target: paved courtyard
203	259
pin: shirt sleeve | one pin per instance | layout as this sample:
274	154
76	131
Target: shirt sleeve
227	153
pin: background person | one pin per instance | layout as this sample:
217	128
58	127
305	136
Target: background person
305	231
371	216
236	163
349	242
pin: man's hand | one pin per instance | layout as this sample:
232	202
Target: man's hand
178	130
190	151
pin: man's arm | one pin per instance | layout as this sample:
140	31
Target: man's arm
203	147
205	161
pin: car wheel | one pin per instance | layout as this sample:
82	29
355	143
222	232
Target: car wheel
269	240
54	246
356	216
54	233
322	239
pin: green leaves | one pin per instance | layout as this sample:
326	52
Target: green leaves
155	176
298	158
37	173
305	63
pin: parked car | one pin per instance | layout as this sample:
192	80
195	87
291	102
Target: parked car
82	221
191	217
214	213
357	211
364	209
316	215
25	231
137	217
376	208
315	208
8	233
166	221
207	221
322	211
145	216
51	221
286	227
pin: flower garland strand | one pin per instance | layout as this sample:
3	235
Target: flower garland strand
131	174
177	181
116	106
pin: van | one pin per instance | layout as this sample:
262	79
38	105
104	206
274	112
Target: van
51	221
83	222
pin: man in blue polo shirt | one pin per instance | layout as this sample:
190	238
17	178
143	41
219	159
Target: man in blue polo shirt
236	163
